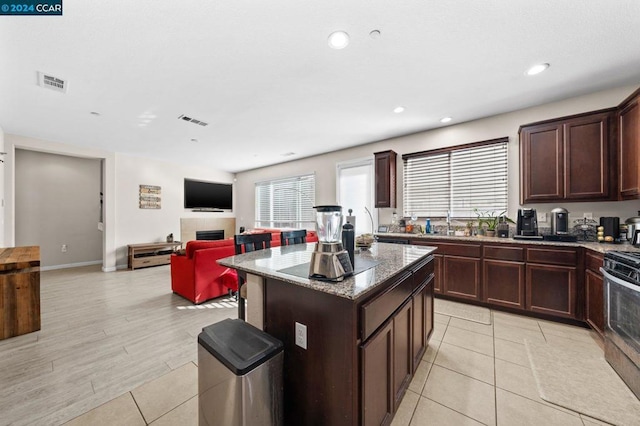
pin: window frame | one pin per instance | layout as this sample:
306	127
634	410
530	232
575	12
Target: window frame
304	203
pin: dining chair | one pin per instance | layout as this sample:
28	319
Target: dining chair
298	236
246	244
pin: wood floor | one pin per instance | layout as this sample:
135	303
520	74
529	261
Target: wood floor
103	334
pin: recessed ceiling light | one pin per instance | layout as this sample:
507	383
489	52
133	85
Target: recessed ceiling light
398	109
445	119
94	113
537	69
374	34
338	40
194	140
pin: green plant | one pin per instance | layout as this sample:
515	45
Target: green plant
491	218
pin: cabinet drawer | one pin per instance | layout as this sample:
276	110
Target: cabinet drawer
141	262
377	310
457	249
554	256
593	261
422	271
504	253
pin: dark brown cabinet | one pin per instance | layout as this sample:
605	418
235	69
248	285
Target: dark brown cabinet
503	278
422	320
551	290
461	277
402	352
377	369
629	147
385	179
568	159
594	292
438	261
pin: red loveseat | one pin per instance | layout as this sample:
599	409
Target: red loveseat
196	276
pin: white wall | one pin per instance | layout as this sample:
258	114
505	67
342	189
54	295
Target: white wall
124	222
136	225
479	130
57	203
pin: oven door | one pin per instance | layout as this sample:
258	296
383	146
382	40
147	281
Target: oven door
622	315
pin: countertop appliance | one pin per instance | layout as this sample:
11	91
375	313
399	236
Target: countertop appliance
527	225
559	221
611	227
621	273
330	261
633	224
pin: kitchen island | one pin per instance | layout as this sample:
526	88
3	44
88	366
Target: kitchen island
352	347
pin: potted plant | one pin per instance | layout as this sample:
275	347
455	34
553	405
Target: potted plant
491	219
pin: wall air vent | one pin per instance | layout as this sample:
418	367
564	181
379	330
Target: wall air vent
50	82
192	120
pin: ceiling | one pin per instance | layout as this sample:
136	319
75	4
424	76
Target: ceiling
263	77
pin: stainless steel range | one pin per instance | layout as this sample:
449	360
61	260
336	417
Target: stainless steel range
622	315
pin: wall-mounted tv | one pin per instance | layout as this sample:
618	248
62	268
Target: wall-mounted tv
207	195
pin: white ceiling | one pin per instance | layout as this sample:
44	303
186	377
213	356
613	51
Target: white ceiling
263	77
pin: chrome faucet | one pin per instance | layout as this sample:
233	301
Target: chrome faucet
449	230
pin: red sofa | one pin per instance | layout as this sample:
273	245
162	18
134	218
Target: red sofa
196	276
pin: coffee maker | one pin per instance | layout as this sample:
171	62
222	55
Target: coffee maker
559	221
329	261
527	225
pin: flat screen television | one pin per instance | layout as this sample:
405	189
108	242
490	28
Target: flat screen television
207	195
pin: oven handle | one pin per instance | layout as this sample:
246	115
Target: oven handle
619	281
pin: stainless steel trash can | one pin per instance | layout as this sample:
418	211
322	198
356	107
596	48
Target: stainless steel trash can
239	375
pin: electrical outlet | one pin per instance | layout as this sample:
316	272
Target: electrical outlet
301	335
542	217
63	248
588	215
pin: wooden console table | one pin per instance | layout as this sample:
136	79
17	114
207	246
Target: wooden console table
151	254
19	291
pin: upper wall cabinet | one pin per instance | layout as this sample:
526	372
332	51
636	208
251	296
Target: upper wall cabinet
568	159
629	132
385	178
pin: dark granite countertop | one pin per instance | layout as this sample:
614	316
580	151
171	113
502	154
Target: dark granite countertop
269	263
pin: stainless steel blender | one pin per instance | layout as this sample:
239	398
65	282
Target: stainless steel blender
330	261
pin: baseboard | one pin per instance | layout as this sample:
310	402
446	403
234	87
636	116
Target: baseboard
70	265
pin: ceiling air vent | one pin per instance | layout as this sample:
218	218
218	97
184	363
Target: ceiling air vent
192	120
50	82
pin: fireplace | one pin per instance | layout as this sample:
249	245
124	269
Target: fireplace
216	234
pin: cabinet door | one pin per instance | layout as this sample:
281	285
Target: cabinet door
629	149
385	177
594	302
587	159
503	283
541	163
438	261
461	277
551	290
402	352
377	374
422	320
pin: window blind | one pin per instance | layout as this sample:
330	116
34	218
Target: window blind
459	180
286	202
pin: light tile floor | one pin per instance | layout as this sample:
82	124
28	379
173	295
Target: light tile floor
120	349
474	374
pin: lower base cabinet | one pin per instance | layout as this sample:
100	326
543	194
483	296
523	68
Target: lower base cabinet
504	283
402	352
377	368
551	290
461	277
594	292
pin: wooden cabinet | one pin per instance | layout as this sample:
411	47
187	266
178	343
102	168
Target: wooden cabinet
438	261
385	179
422	320
594	292
19	291
377	369
461	277
629	147
503	278
555	156
551	281
402	351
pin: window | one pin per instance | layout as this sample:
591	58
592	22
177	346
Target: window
355	191
457	179
286	203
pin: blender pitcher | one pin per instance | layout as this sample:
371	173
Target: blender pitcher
328	223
